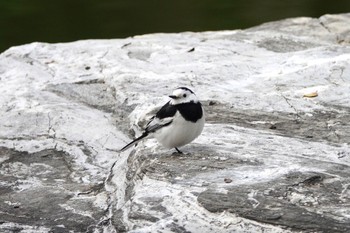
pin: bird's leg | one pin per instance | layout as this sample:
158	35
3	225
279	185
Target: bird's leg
178	151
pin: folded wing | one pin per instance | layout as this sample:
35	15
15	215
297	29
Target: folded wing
164	117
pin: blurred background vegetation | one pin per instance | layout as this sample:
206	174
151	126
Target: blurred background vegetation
25	21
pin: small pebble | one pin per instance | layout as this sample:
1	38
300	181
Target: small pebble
228	180
273	127
211	103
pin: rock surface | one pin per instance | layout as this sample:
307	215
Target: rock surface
274	155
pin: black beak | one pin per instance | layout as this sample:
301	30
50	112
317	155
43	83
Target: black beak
173	96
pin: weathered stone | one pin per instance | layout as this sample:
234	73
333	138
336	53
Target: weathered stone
39	189
272	157
289	201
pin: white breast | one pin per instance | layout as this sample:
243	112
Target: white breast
180	132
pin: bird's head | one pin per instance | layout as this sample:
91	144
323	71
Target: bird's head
182	95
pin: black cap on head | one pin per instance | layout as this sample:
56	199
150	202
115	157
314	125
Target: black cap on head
185	88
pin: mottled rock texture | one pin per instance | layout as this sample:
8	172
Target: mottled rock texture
274	155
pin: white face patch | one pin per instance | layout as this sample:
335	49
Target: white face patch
179	92
183	96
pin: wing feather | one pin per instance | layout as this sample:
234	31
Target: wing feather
157	123
162	118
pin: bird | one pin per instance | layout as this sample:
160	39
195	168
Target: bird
177	123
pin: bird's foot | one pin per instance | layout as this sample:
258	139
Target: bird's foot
178	151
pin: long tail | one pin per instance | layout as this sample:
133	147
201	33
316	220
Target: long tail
145	134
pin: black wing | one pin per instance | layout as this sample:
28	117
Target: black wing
167	110
162	118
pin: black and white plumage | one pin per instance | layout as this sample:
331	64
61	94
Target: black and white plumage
177	123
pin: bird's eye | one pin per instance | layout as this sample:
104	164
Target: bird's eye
184	95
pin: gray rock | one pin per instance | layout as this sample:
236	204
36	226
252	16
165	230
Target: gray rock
38	191
274	155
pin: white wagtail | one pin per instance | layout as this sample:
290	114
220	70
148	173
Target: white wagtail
177	123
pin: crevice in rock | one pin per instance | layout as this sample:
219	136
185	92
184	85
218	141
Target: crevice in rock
297	119
340	39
